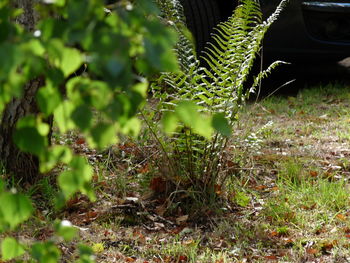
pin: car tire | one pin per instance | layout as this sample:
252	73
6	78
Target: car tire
201	17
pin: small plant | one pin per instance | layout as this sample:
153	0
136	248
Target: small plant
199	105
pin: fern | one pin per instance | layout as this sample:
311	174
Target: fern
216	89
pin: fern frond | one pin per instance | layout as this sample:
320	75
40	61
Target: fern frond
218	88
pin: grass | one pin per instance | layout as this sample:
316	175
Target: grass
287	200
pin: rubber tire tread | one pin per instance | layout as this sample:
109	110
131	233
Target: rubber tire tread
201	17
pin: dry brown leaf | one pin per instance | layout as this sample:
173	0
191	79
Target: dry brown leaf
313	173
328	246
182	258
260	187
80	141
311	251
158	184
182	219
143	169
89	216
341	217
217	188
161	209
305	207
273	234
271	257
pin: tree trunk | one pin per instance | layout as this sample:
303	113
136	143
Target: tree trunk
23	166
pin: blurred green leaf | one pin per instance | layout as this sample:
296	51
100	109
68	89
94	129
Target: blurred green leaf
29	140
71	60
55	155
76	178
188	113
45	252
63	116
86	254
48	99
169	122
132	127
15	208
11	249
65	230
82	117
221	124
103	135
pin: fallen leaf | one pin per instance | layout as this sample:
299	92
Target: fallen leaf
143	169
313	173
89	216
177	230
80	141
217	188
183	258
305	207
341	217
271	257
260	187
158	184
311	251
130	259
161	209
273	234
328	246
182	219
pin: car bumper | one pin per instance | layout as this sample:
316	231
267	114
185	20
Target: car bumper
309	29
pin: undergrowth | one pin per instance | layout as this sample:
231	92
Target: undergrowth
198	106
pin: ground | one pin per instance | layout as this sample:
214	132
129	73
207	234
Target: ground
287	199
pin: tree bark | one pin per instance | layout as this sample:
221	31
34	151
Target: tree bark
23	166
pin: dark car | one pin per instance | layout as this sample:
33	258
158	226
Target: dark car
312	30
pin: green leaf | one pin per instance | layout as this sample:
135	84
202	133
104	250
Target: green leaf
242	199
203	126
45	252
71	60
169	122
34	46
10	248
15	208
132	127
28	139
2	185
86	254
65	58
65	230
82	117
76	178
221	124
103	135
63	116
48	99
55	155
188	113
141	88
